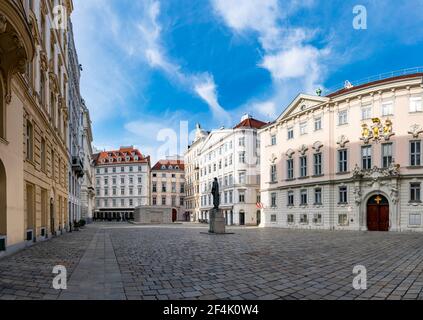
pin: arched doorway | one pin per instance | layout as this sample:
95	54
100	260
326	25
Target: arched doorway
3	204
174	215
378	213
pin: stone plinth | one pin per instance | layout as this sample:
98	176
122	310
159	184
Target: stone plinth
217	222
153	215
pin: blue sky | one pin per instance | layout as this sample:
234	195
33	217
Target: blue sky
149	64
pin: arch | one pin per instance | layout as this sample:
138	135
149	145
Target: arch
377	208
3	200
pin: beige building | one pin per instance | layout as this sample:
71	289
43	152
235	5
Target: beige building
351	160
192	174
33	152
168	187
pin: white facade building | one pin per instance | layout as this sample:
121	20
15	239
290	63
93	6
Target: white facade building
349	161
233	157
122	183
192	174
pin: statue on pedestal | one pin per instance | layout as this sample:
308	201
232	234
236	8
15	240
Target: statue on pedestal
217	221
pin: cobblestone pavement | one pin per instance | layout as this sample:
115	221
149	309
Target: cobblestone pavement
119	261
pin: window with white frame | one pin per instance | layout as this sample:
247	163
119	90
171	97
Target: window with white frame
273	139
387	108
318	124
242	142
318	164
343	195
415	153
304	218
415	192
273	173
273	218
303	128
318	196
303	197
415	219
242	178
366	112
387	155
342	117
242	157
303	166
290	219
366	157
241	197
416	104
290	198
290	168
290	133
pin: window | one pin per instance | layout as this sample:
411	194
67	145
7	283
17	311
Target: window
318	196
366	157
114	202
318	164
43	155
366	112
131	202
154	201
114	191
415	153
343	195
317	218
273	173
290	219
242	176
273	200
273	218
343	160
181	201
131	180
122	202
122	180
182	188
415	219
304	219
303	197
242	142
303	166
122	191
242	157
173	201
163	201
342	117
291	198
173	187
139	191
106	191
290	168
106	181
273	140
416	104
343	219
303	128
415	192
241	197
163	187
231	198
29	141
387	108
290	133
387	155
139	180
318	124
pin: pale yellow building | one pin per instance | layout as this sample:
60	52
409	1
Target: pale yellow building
33	142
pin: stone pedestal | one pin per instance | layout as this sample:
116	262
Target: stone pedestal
217	222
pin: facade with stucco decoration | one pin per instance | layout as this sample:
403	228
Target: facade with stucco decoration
351	160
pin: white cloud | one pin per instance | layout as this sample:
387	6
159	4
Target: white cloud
288	55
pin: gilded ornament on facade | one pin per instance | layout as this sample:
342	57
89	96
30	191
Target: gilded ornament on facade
377	131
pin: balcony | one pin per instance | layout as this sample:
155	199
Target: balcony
78	166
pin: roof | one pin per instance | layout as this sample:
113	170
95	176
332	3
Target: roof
250	123
124	155
369	84
169	165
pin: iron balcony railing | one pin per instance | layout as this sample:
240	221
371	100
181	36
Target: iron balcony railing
382	76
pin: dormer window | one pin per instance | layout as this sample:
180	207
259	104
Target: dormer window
170	168
136	158
163	167
128	158
177	167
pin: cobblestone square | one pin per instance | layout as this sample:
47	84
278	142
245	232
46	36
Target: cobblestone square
123	261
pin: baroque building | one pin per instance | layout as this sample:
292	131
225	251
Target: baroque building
192	174
168	187
122	183
233	157
351	160
33	122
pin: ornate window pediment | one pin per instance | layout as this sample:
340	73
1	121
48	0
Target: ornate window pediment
342	141
317	146
303	149
415	131
290	153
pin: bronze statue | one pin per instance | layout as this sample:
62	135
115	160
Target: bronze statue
216	194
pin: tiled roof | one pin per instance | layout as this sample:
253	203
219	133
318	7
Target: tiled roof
169	165
251	123
122	156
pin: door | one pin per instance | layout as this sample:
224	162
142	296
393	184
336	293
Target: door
174	215
378	214
241	218
52	227
258	217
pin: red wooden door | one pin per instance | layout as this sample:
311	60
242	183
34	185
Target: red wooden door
372	218
174	215
383	218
